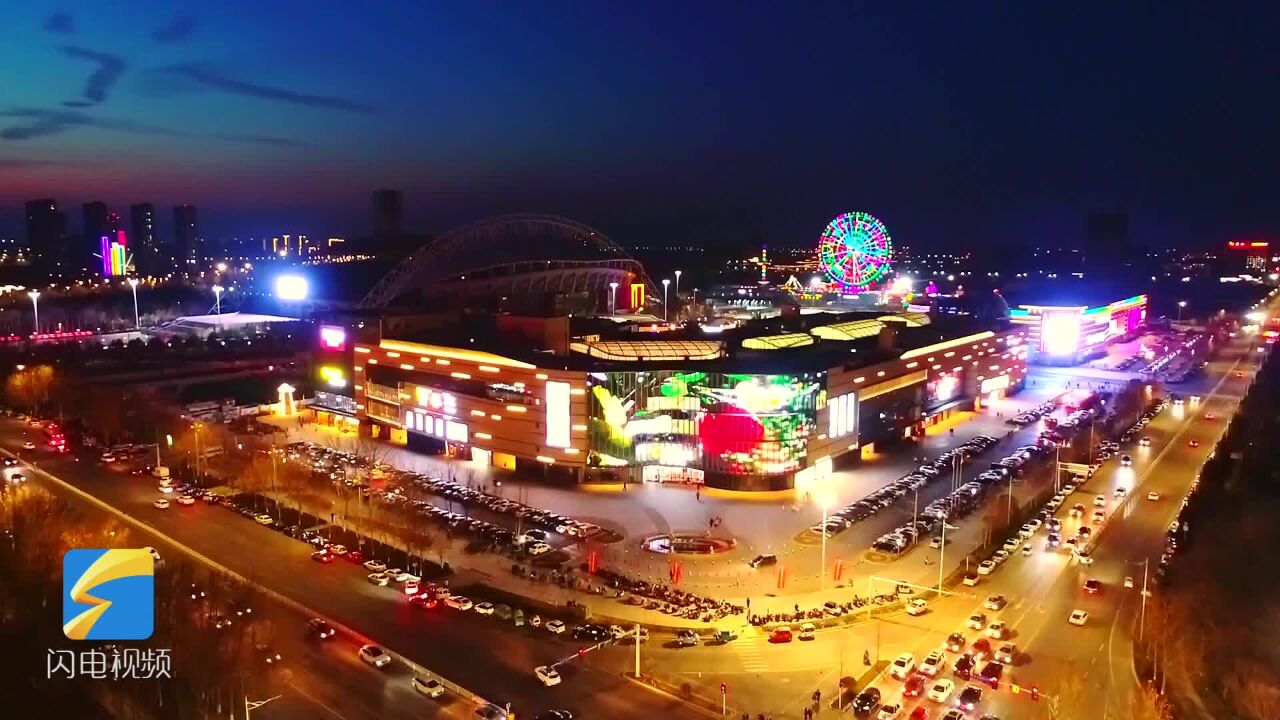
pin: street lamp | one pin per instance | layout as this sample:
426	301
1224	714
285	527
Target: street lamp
35	307
678	283
217	300
1181	304
613	299
133	284
251	705
665	283
822	570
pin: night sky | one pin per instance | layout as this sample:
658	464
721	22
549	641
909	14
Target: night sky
715	123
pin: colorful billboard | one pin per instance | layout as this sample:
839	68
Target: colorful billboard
722	423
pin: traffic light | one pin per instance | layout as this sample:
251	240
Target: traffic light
1035	693
168	440
582	651
724	689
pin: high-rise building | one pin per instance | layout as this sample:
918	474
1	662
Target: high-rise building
146	251
47	237
187	246
388	214
95	224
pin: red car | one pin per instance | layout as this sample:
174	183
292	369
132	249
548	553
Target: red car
1093	587
426	601
980	649
781	635
913	687
354	556
920	713
322	556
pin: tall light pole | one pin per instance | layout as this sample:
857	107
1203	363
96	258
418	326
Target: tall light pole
613	299
1181	304
217	300
35	307
822	570
678	284
665	283
133	284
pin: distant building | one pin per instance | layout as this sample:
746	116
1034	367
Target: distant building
147	258
1247	257
188	248
95	224
388	214
47	237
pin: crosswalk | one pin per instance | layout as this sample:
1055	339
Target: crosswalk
751	655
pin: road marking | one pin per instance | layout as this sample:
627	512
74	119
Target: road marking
750	655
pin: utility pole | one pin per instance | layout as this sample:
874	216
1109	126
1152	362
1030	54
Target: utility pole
942	557
637	637
250	706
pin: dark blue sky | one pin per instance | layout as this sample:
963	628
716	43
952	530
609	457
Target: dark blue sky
956	123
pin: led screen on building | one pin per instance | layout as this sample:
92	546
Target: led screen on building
718	422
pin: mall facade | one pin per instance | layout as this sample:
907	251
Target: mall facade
749	409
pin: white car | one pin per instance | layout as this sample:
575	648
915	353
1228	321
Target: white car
28	445
1011	545
458	602
1078	617
917	607
1121	491
374	566
890	711
374	655
161	504
1100	501
1128	581
1153	495
1000	556
1084	557
1126	461
186	500
1144	441
338	550
1027	550
809	632
484	608
263	519
538	548
1006	654
903	666
166	489
995	602
941	690
985	567
998	630
380	579
556	627
976	621
405	576
428	686
932	663
547	675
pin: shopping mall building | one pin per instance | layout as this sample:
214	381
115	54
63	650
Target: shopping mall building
584	398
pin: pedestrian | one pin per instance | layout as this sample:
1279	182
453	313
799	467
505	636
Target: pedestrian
808	714
698	494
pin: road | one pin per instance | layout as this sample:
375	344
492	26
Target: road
482	654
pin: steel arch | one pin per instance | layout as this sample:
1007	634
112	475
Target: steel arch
454	254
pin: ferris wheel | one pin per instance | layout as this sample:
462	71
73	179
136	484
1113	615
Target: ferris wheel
855	250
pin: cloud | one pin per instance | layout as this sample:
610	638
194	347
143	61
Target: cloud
110	68
177	30
33	123
61	23
211	78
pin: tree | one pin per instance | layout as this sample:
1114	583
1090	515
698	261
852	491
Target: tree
30	386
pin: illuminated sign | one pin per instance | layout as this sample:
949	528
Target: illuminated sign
944	387
292	287
332	338
439	401
1060	333
992	384
558	414
637	295
334	377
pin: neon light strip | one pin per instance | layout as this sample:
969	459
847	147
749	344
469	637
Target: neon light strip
967	339
474	356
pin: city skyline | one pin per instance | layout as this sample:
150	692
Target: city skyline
923	120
